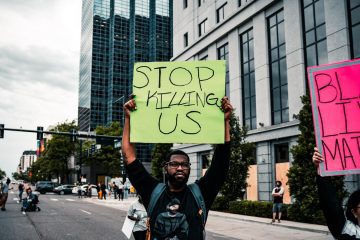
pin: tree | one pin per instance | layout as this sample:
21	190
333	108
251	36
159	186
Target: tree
107	155
241	157
158	159
2	174
302	174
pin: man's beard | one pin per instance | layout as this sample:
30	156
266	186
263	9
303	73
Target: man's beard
177	183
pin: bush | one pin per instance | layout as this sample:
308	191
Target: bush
250	208
221	203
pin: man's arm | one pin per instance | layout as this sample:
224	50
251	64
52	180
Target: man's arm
127	148
215	176
329	202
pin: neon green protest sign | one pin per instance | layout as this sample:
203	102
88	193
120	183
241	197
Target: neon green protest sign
178	102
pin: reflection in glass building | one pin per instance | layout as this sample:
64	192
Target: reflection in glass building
115	34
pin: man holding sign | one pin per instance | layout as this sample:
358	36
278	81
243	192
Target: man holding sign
177	170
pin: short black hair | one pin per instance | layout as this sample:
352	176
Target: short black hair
177	152
352	203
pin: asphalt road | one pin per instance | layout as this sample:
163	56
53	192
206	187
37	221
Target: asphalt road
61	217
67	217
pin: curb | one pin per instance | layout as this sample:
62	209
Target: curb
264	221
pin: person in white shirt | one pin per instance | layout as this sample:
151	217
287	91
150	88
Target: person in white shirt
277	193
137	212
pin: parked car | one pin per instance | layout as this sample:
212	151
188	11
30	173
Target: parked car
83	189
44	186
64	189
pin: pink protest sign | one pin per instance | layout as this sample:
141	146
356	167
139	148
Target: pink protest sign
335	98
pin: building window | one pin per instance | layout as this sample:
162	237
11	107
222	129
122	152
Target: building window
248	79
220	13
278	69
223	54
202	27
315	32
186	40
200	2
281	152
185	3
354	9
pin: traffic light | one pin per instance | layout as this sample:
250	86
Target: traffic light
73	135
2	126
40	134
92	149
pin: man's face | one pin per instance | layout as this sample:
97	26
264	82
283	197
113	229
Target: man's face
178	170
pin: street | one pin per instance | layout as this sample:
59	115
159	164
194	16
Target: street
67	217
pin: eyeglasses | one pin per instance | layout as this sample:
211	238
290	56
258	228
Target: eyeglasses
184	165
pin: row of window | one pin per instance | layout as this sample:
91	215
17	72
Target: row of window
315	54
220	16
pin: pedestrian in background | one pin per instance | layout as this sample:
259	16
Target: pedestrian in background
98	190
103	191
137	213
5	193
79	190
121	191
277	193
21	190
114	189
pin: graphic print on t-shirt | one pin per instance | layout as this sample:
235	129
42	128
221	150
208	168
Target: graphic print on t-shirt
171	225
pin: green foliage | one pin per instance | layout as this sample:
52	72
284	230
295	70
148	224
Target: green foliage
255	208
221	203
107	155
2	174
302	174
158	159
241	156
55	158
113	130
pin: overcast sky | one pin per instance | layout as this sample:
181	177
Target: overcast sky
39	70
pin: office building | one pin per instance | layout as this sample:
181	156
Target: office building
268	45
115	34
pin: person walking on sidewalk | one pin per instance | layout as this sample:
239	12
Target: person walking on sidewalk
278	194
115	189
177	170
342	226
121	191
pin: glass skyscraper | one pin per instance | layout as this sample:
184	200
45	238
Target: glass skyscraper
115	34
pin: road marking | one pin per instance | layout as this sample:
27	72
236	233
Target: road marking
71	200
54	199
12	192
85	211
15	199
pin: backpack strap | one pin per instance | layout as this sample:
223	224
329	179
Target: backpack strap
155	195
195	190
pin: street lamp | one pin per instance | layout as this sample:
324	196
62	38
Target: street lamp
122	98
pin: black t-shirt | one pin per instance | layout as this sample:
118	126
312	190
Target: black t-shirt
209	184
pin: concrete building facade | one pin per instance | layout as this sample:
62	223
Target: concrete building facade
26	160
268	45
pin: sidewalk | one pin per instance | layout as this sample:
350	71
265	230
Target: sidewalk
125	204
